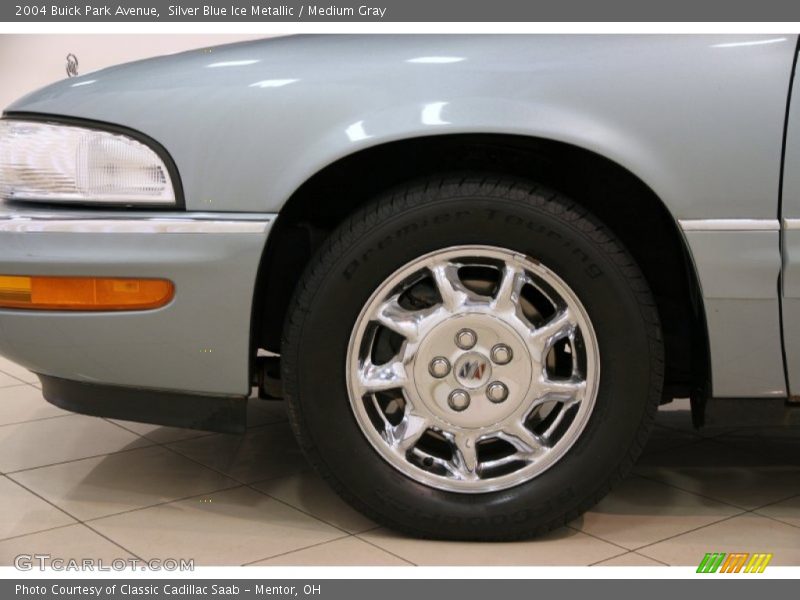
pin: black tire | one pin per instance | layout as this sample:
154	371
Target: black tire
472	209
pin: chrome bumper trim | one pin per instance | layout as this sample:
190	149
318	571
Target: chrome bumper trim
729	224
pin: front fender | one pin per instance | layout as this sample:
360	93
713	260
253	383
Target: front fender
699	119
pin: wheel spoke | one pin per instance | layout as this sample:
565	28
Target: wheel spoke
407	433
508	292
451	289
378	378
568	391
499	462
555	424
466	456
527	443
400	320
542	339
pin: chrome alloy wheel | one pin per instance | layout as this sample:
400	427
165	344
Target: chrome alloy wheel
473	369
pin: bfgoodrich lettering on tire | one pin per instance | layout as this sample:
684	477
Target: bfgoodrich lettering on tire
472	357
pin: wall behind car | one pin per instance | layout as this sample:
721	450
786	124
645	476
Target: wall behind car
28	62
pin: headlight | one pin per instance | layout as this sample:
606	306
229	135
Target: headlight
51	163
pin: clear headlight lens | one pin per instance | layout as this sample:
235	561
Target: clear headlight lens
50	163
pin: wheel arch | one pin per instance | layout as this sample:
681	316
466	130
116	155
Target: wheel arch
622	200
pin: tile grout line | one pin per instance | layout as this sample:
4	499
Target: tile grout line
31	383
650	558
358	535
36	420
22	535
66	462
776	502
116	543
602	560
672	537
597	537
338	539
777	520
15	385
202	434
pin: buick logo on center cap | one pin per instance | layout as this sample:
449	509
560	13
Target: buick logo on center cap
473	370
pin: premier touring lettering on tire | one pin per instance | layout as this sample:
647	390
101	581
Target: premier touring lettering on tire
592	269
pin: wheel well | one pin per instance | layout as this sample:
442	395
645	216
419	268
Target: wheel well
616	196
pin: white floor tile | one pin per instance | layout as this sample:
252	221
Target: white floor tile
22	512
23	402
12	368
48	441
74	542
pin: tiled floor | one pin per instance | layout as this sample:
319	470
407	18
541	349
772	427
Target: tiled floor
74	486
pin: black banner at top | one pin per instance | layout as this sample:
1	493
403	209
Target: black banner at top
398	10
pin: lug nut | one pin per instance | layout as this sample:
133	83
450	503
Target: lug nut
496	392
501	354
439	367
466	339
458	400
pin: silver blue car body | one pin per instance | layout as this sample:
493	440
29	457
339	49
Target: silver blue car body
702	121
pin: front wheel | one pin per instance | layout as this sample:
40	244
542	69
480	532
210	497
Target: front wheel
472	358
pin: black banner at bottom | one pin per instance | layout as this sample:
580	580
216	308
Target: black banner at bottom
392	589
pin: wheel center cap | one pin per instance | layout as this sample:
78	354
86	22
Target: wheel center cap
443	367
473	370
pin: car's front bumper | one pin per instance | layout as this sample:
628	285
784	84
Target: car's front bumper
199	343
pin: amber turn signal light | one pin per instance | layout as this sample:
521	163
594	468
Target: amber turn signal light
83	293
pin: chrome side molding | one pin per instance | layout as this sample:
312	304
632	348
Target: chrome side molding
730	224
105	222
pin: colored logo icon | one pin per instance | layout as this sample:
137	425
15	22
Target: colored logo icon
735	562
